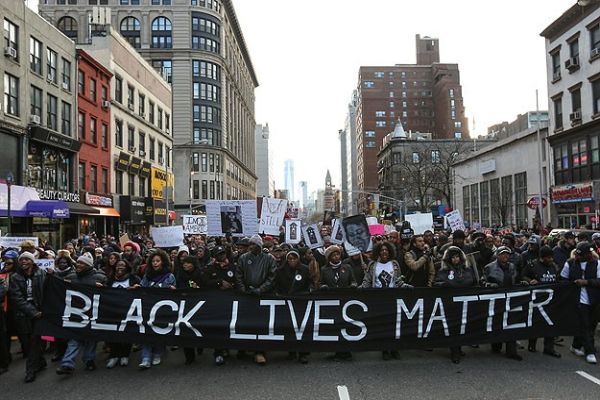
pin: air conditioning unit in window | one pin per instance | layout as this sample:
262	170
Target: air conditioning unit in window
130	106
142	153
50	76
575	116
105	104
161	160
168	131
65	85
595	52
132	149
572	63
10	52
35	119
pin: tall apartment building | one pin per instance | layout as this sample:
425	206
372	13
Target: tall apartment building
425	97
199	47
265	186
573	68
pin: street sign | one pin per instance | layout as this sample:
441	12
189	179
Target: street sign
534	202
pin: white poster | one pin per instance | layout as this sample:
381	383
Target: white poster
312	236
420	222
195	225
15	241
271	215
45	264
455	221
293	231
168	236
237	217
337	233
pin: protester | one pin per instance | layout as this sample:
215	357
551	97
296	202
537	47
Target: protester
4	354
583	270
531	254
131	253
562	251
109	264
307	258
180	254
357	262
420	270
189	277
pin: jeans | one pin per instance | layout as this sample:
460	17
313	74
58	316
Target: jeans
73	348
148	352
586	337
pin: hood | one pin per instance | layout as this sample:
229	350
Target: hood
450	251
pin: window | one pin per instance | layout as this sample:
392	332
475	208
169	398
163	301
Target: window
161	33
212	190
119	90
142	105
164	68
205	25
555	65
436	157
81	126
204	69
36	102
65	126
370	134
595	37
94	178
82	176
51	58
380	124
52	112
416	158
167	122
11	36
93	90
196	190
211	162
521	200
119	133
151	112
576	100
380	113
391	94
130	137
379	74
168	156
452	104
130	97
119	182
104	136
35	55
142	186
130	29
206	44
104	93
66	75
369	84
574	48
474	202
204	190
142	142
404	94
131	184
391	104
457	124
594	149
466	202
195	162
160	118
579	153
81	83
93	131
68	26
204	162
558	114
494	206
152	149
484	190
104	184
451	93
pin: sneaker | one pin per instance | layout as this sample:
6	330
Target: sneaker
260	359
219	360
112	362
303	359
90	365
591	358
577	352
124	361
144	365
156	360
62	370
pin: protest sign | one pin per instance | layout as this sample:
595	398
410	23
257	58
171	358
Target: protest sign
420	222
312	236
168	236
293	231
377	229
356	231
15	241
235	217
455	221
194	224
337	232
124	239
45	264
271	215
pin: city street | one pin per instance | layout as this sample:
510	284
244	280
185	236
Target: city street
418	374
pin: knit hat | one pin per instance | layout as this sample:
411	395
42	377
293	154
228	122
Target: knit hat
292	253
182	249
596	236
503	249
86	259
133	245
99	250
257	240
330	250
27	255
50	254
12	254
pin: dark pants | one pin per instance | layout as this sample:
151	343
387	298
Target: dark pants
4	355
511	347
455	352
119	350
548	344
33	347
190	353
586	336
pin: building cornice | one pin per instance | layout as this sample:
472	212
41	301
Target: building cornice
240	38
569	19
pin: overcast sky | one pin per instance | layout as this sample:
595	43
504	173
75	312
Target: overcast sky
307	55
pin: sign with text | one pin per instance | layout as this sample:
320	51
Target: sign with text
235	217
573	193
455	221
271	215
45	264
168	236
420	222
15	241
195	225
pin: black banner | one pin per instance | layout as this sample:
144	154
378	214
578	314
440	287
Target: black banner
325	321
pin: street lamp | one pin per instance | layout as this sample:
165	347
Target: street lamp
9	182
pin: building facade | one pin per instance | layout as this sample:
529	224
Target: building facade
350	192
265	185
573	68
199	48
344	170
425	97
288	179
39	146
495	187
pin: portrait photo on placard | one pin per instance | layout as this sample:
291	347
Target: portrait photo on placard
231	219
356	231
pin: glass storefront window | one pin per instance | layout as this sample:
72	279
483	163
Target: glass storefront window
594	149
48	168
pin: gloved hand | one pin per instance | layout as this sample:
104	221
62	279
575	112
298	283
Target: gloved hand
406	286
441	284
523	283
492	285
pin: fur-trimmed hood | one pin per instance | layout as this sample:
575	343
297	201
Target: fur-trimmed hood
451	251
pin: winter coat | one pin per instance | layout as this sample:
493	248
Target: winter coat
370	279
462	275
357	268
542	273
62	274
561	253
184	279
420	271
255	272
164	280
131	278
89	277
214	275
335	277
495	274
24	310
528	258
292	280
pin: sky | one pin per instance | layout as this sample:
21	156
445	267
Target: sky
307	54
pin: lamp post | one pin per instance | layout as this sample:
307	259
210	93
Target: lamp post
9	182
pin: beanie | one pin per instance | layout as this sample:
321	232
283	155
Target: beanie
86	259
257	240
330	250
27	255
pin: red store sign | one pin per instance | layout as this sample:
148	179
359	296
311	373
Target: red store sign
575	193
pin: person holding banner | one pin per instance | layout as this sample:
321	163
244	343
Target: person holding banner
419	263
4	354
26	293
455	272
189	277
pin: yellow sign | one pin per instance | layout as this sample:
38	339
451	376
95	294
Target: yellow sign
159	182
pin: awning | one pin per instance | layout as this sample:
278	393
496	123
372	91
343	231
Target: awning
20	196
47	209
82	209
108	212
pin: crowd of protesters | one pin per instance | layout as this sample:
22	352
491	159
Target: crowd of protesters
264	265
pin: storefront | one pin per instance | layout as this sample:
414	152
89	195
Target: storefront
106	222
133	214
575	206
162	193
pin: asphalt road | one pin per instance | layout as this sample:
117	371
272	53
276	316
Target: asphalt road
417	375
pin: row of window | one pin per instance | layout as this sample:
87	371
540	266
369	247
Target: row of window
95	186
206	162
216	190
212	4
141	185
212	136
577	160
573	61
205	25
207	92
207	114
141	150
155	113
205	69
89	88
206	44
87	130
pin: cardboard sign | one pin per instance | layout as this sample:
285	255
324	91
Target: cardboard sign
271	215
356	231
45	264
455	221
168	236
15	241
293	231
420	222
234	217
312	236
124	239
195	225
377	229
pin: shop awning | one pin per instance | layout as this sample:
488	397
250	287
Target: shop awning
47	209
20	196
108	212
82	209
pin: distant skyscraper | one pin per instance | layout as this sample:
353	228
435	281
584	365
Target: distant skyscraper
288	179
264	170
304	193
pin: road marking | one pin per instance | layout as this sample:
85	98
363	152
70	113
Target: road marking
580	373
343	393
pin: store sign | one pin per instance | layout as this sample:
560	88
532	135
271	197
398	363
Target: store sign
533	202
123	161
155	211
55	139
575	193
146	169
132	209
159	182
96	200
135	166
46	194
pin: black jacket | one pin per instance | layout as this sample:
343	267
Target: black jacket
255	272
214	275
89	277
542	273
503	276
292	281
184	279
335	278
133	280
561	254
18	293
